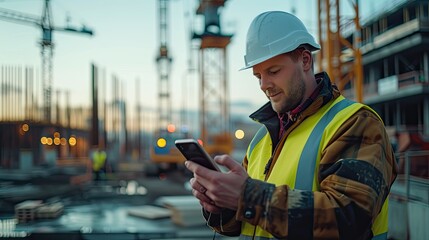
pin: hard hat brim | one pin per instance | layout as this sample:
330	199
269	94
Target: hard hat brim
312	47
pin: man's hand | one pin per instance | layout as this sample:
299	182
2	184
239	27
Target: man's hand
217	190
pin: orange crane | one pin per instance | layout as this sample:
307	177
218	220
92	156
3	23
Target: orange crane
341	58
214	91
46	43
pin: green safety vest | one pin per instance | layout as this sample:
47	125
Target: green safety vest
302	149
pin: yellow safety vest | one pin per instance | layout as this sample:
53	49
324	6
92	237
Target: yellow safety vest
302	149
99	160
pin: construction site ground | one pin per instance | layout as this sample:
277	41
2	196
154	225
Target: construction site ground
96	209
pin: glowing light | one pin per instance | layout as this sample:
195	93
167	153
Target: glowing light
200	142
171	128
56	134
44	140
239	134
25	127
72	141
161	142
63	141
57	141
49	141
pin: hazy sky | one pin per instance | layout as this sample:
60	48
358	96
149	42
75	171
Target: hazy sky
126	44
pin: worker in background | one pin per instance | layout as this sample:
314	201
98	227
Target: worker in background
320	167
99	163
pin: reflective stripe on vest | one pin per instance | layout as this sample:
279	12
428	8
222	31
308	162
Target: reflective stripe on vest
322	126
382	236
256	139
307	161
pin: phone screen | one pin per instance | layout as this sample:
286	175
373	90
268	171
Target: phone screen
194	152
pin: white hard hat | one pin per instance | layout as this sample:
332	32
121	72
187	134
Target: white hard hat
273	33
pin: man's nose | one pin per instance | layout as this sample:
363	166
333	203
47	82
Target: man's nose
264	83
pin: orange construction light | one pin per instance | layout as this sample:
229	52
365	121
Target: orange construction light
25	127
171	128
72	141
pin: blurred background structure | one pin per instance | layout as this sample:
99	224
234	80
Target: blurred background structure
376	53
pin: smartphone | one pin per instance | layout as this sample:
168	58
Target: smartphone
193	151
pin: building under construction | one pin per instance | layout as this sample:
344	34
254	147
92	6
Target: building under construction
390	49
383	61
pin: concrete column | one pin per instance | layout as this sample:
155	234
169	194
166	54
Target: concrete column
372	81
396	60
386	68
426	66
387	120
398	119
426	115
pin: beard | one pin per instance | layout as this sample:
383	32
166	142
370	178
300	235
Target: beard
293	96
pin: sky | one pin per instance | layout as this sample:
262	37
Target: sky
126	43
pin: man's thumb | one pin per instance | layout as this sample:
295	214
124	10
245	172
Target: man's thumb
227	161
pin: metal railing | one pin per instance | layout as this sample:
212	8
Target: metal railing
409	197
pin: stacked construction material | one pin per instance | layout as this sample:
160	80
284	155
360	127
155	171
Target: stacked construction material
185	210
35	209
26	211
50	211
150	212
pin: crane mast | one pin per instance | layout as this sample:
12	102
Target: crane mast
46	43
214	91
47	54
164	66
163	150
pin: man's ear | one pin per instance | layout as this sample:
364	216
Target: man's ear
307	60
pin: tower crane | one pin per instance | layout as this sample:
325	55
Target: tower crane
163	150
341	57
47	46
214	91
164	65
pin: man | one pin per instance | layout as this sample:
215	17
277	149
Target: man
99	162
320	167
